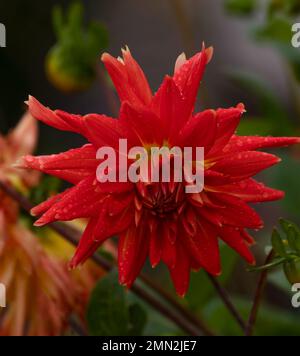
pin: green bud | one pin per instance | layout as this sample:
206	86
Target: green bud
292	271
71	62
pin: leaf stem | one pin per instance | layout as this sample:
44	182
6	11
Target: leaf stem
258	296
226	300
177	313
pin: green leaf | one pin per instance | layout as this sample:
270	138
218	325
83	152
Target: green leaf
107	313
275	263
278	244
276	30
138	320
111	312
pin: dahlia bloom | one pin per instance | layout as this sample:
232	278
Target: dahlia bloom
19	142
41	293
38	287
160	220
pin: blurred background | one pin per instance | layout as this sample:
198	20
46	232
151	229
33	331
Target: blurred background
254	63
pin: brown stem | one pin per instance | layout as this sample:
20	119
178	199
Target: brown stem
108	92
184	25
226	299
179	307
177	314
258	297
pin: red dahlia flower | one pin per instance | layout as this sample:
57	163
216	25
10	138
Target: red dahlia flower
160	220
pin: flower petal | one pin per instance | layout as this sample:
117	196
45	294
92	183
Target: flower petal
144	124
233	238
243	165
189	76
249	190
249	143
88	245
133	251
180	274
129	79
204	248
236	212
227	123
170	106
80	201
72	166
200	131
102	130
23	139
57	119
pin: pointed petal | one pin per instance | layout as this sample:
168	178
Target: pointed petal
88	245
80	201
180	61
133	250
102	130
170	107
155	246
204	248
112	219
236	212
249	143
145	126
46	205
233	238
200	131
128	78
73	165
227	123
243	165
180	274
57	119
189	76
249	190
169	247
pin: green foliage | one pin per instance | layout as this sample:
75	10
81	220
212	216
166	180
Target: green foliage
71	62
276	30
271	321
286	177
110	313
273	119
287	251
47	187
289	7
240	7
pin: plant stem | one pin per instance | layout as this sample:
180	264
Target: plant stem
184	24
258	297
179	307
108	92
177	314
226	299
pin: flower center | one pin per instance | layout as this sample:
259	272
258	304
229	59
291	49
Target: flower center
162	199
